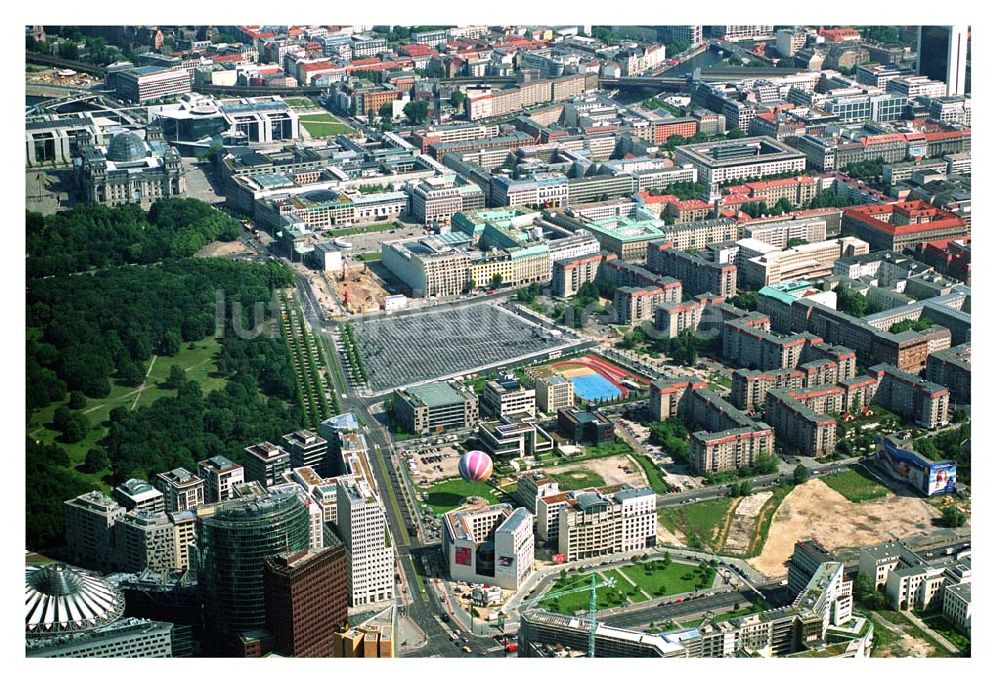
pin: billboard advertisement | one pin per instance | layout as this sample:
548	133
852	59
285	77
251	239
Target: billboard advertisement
559	558
905	465
463	556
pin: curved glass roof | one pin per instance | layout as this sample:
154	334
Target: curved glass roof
59	598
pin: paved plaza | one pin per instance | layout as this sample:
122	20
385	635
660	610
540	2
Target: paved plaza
408	349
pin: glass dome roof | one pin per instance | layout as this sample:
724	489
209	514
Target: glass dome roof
126	147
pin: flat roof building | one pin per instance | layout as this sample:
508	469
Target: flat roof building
435	407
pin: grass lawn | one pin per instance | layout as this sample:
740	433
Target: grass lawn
699	522
370	256
323	124
373	228
913	630
653	473
578	478
936	622
448	495
299	102
854	486
607	597
673	578
198	365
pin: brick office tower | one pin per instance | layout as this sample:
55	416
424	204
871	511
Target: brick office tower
305	596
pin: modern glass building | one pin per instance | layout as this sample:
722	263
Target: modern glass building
233	545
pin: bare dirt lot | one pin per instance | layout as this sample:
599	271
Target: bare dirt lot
442	464
744	519
222	249
609	469
364	291
814	510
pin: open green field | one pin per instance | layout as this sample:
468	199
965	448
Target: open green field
299	102
664	579
199	365
699	522
854	486
578	478
607	597
450	494
653	474
323	124
370	256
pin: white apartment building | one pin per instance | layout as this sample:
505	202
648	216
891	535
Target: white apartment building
145	539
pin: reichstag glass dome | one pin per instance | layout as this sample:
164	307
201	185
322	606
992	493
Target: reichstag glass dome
126	147
59	599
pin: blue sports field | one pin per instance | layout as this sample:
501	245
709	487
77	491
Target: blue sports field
595	388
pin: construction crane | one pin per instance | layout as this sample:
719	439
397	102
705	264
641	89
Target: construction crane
593	587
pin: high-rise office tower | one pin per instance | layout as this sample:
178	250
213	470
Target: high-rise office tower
305	595
233	544
942	52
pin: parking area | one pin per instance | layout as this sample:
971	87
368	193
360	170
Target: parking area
430	344
676	474
430	463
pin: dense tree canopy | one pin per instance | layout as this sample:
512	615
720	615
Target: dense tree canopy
97	236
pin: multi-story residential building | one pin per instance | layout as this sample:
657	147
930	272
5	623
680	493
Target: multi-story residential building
800	426
737	33
778	233
673	318
698	275
506	398
490	545
185	538
952	368
435	200
90	530
435	407
807	556
730	449
305	600
362	526
306	448
182	490
956	607
220	474
568	275
145	540
265	463
923	402
135	493
553	393
593	522
585	427
633	305
789	40
701	234
879	75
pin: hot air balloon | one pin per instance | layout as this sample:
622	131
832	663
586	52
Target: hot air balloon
475	466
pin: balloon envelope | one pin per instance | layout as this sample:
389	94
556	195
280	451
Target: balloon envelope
475	466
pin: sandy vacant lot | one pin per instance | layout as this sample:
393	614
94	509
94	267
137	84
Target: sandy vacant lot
612	474
222	249
814	510
744	519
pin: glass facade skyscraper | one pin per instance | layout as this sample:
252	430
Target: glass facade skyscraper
233	545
